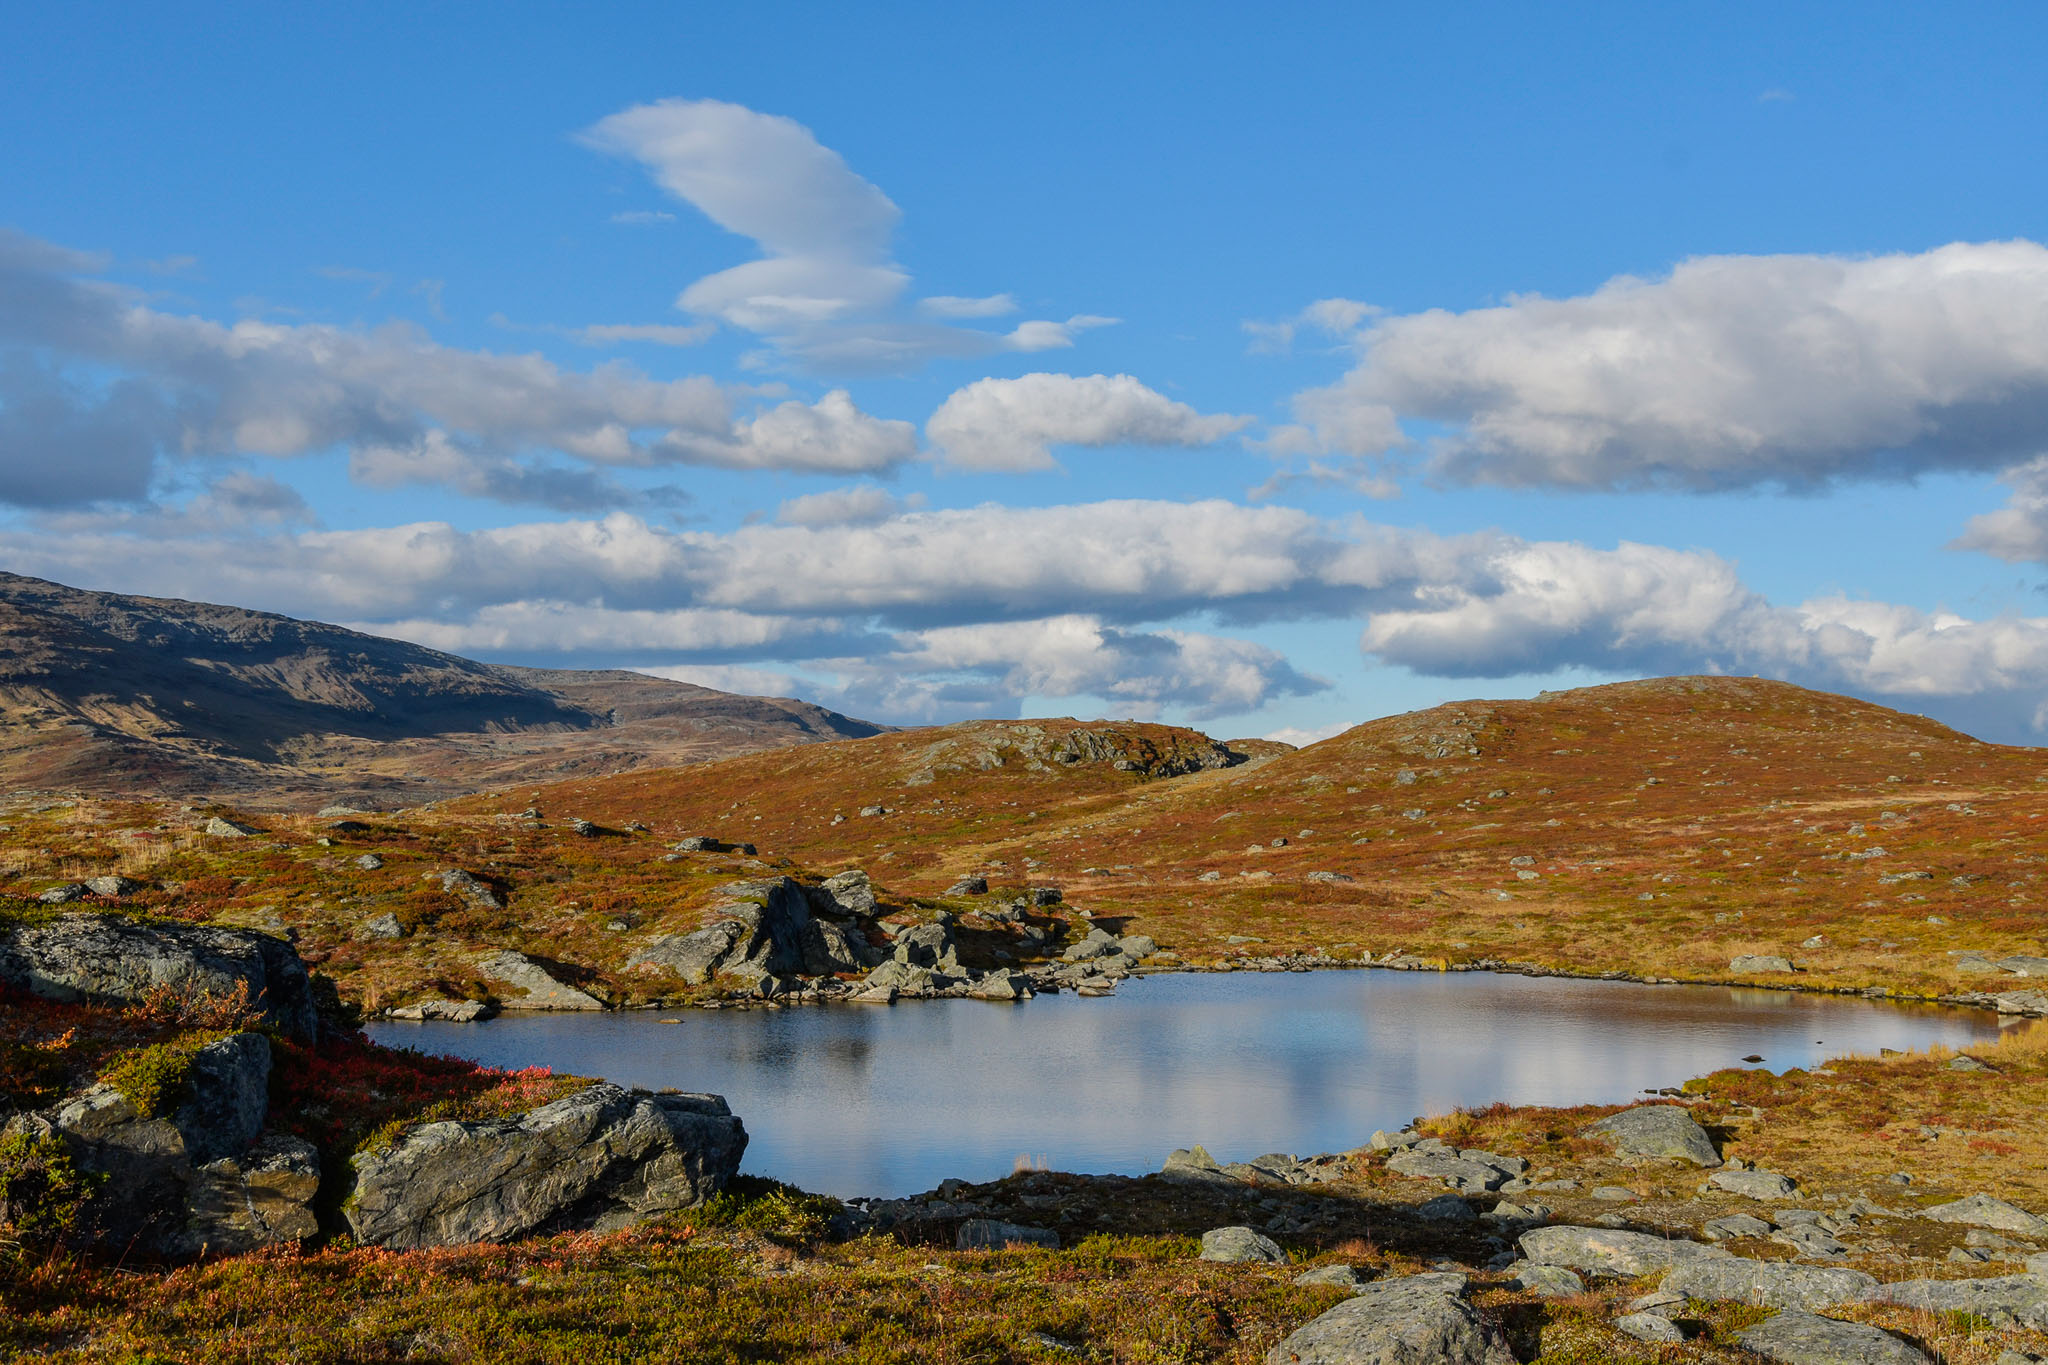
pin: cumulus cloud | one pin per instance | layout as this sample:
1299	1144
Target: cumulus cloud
963	611
1732	371
2018	531
100	389
859	505
1301	738
1331	317
826	289
1012	424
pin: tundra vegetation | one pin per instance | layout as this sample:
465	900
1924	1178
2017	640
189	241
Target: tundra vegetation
1665	830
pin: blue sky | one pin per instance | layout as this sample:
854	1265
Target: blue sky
947	361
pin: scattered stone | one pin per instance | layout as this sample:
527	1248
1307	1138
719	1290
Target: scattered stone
1192	1163
1045	895
1415	1318
1663	1131
220	827
1774	1284
1241	1244
1753	1184
873	811
1340	1276
874	995
1802	1339
988	1234
370	862
63	895
969	886
603	1158
1615	1194
1446	1208
447	1011
385	925
1983	1211
1761	962
846	894
1383	1141
1472	1171
1003	986
1606	1251
1965	1062
1648	1327
112	887
470	888
1734	1225
1545	1281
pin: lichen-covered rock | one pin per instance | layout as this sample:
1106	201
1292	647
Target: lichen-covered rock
848	893
1774	1284
1412	1320
1753	1184
114	959
537	989
1610	1251
2002	1299
471	888
1985	1211
1241	1244
1660	1131
1797	1338
603	1158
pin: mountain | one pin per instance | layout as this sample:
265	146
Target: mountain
115	695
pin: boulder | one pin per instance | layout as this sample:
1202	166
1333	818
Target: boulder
1734	1225
1336	1276
1774	1284
112	886
447	1011
222	828
849	893
1192	1164
1761	962
929	945
382	926
370	862
1545	1281
1446	1208
1412	1320
603	1158
829	949
988	1234
2002	1299
969	886
1473	1172
900	976
1241	1244
537	990
1802	1339
1753	1184
1137	945
114	959
1610	1251
63	895
1003	986
1659	1131
693	957
262	1197
471	888
1649	1327
1983	1211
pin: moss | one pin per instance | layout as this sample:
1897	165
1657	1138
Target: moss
153	1078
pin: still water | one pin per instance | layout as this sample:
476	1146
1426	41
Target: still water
878	1100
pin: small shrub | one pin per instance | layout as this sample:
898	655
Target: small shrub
41	1188
153	1078
761	1205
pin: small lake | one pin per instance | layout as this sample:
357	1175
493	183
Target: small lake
889	1100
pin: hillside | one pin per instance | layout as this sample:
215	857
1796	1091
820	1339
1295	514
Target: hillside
103	694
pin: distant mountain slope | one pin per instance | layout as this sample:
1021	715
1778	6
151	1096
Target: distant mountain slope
116	694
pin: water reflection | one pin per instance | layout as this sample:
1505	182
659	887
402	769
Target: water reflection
870	1100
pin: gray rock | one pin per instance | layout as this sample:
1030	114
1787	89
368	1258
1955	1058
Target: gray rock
63	895
1003	986
1412	1320
385	925
261	1197
1383	1141
222	828
1753	1184
1545	1281
693	957
1761	962
370	862
1648	1327
1810	1239
848	893
1337	1276
1965	1062
2037	1265
1983	1211
1446	1208
603	1158
1137	945
1734	1225
2032	1003
1797	1338
114	959
829	949
1774	1284
449	1011
1241	1244
470	888
1472	1172
1662	1131
537	989
987	1234
112	886
1045	895
1192	1163
2003	1299
1615	1194
1610	1251
2020	964
900	976
929	945
969	886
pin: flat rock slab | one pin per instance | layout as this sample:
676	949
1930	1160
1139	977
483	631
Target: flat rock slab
1983	1211
1413	1320
1662	1131
604	1157
1802	1339
2020	1298
1545	1281
538	990
1774	1284
1241	1244
1753	1184
1470	1172
1610	1251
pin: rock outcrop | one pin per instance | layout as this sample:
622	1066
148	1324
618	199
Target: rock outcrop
536	988
603	1158
1405	1321
768	929
115	959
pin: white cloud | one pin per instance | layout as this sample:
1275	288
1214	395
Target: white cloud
1733	371
953	306
110	388
660	333
1332	317
826	291
860	505
2018	531
1301	738
1011	424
